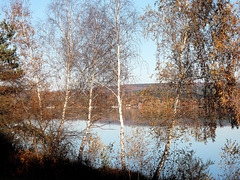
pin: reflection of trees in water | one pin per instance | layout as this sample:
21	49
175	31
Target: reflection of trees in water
202	131
183	164
131	116
144	146
229	164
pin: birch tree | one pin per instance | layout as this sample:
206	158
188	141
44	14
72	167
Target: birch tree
187	40
94	64
168	25
62	44
122	22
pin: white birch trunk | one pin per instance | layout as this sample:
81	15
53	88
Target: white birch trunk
68	63
176	104
119	99
164	155
84	140
59	133
170	135
168	144
122	144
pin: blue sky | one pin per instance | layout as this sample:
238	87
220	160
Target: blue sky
146	64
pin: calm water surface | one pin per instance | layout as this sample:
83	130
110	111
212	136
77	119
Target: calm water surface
207	150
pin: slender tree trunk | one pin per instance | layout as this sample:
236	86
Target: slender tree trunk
169	142
84	140
165	154
49	148
176	104
80	155
121	133
122	144
59	132
64	107
170	135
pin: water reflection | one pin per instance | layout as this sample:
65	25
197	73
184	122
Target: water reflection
145	143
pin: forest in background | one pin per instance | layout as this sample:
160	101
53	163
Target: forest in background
78	62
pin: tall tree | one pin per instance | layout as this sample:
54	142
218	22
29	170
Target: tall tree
61	35
94	64
196	43
168	24
123	22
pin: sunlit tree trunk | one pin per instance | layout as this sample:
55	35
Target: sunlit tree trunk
172	123
119	99
65	104
89	121
119	17
62	40
165	152
98	60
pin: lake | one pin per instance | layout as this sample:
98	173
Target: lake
144	148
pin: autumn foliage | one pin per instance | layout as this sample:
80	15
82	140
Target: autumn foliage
198	52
